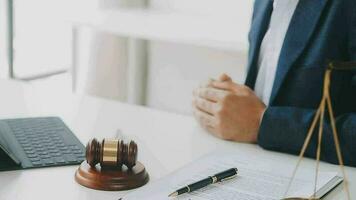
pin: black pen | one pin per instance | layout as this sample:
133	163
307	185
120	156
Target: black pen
228	174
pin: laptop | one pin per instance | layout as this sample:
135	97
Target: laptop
38	142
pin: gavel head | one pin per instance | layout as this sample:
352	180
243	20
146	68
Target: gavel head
111	153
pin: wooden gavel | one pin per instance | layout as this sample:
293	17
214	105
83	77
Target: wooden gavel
111	153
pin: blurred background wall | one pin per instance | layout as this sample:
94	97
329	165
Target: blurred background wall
149	52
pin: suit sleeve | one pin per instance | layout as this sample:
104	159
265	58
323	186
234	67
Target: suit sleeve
285	129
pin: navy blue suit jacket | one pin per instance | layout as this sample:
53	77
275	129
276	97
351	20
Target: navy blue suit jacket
320	30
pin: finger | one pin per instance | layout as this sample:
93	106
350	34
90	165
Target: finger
206	83
210	130
224	77
211	94
204	118
207	126
205	105
229	86
213	131
222	85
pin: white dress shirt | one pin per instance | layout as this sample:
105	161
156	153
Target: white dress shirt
271	46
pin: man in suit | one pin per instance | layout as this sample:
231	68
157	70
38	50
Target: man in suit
291	42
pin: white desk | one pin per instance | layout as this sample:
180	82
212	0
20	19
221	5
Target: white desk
166	142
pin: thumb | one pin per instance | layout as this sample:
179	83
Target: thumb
224	77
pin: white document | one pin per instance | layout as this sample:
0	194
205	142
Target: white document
255	181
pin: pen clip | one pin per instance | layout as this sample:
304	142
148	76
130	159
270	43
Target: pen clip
228	178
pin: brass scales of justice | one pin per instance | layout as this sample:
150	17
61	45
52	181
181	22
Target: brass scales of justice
319	116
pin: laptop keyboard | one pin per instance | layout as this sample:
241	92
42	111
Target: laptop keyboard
47	141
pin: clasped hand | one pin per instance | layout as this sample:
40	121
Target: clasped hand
228	110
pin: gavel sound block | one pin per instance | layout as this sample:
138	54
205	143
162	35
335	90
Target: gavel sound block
111	165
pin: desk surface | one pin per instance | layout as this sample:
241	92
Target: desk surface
166	142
